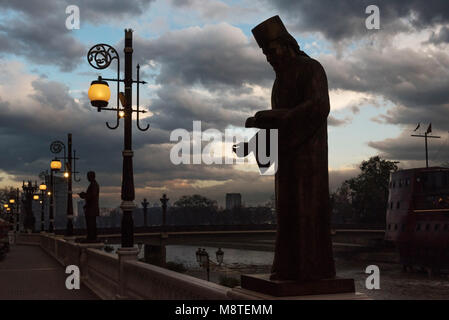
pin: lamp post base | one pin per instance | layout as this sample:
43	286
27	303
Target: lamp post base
124	254
127	227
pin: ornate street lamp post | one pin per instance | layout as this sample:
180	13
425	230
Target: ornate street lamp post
145	204
8	212
202	257
69	161
14	202
55	166
100	57
28	190
43	190
164	201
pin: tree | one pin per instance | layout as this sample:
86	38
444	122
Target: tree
368	192
193	210
195	201
341	203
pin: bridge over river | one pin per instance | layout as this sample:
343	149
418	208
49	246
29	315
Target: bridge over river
35	266
251	237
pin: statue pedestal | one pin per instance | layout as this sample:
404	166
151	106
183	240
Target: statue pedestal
280	288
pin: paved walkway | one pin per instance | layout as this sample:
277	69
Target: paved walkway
28	273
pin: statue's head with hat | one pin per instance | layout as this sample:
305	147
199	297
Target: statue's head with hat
275	41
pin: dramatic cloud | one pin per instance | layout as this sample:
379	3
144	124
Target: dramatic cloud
410	150
37	30
215	56
213	10
217	74
345	19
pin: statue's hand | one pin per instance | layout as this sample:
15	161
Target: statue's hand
270	119
250	122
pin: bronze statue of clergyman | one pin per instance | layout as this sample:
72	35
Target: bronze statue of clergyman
300	106
91	206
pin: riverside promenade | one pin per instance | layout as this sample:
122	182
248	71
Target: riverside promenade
29	273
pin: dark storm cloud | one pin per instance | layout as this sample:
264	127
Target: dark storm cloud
37	31
410	150
177	107
42	41
410	76
406	77
216	56
345	19
48	114
92	11
206	74
415	80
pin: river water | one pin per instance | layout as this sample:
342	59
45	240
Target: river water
186	255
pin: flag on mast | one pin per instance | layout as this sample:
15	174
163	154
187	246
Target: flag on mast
419	124
429	129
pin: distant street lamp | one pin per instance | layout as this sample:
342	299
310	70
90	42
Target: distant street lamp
202	257
55	166
14	202
69	160
100	56
43	190
197	254
220	256
164	201
145	204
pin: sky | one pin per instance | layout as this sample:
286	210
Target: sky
202	64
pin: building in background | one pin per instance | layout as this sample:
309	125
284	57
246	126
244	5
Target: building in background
60	204
233	200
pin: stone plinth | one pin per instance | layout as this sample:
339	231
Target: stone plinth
262	283
239	293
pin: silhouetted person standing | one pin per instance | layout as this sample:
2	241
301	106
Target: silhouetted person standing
91	207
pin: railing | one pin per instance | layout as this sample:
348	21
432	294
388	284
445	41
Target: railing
167	284
111	276
100	272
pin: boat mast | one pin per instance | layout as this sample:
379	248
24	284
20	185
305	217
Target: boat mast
425	136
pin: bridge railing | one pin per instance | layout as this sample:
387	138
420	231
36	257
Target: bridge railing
167	284
112	277
100	272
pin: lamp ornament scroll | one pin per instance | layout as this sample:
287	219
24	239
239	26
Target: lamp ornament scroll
100	56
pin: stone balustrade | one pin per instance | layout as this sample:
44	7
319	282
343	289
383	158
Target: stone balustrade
100	272
167	284
121	276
